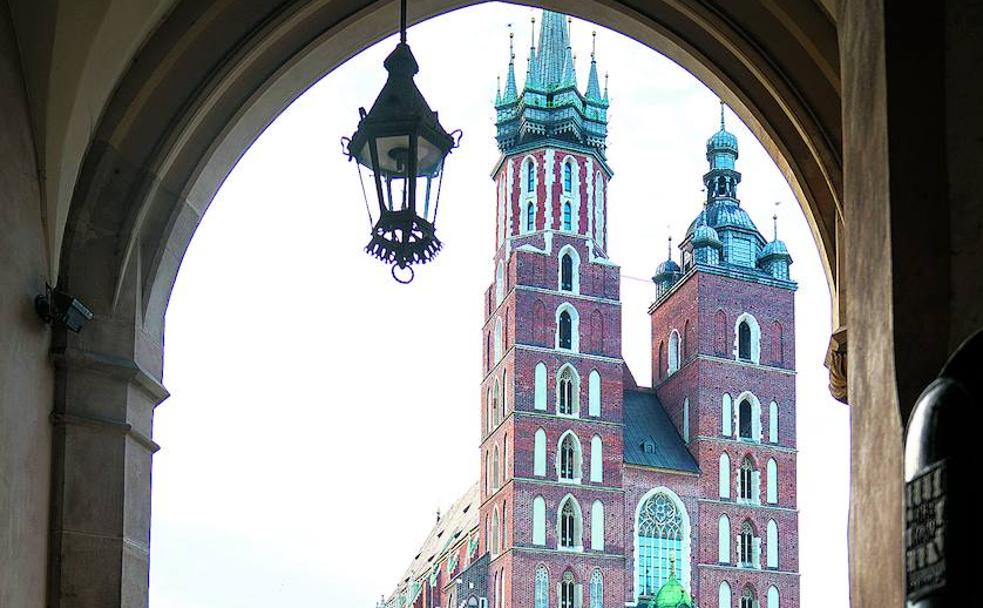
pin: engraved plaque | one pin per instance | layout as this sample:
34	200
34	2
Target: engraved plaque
925	528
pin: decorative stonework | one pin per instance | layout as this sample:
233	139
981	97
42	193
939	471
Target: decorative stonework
836	364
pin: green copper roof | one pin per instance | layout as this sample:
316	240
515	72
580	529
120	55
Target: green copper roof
672	595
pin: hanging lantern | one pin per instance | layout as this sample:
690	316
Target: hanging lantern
402	147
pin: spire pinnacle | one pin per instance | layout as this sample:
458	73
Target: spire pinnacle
593	46
532	38
511	90
669	257
511	45
774	219
722	115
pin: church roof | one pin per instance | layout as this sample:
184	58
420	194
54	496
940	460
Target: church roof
648	424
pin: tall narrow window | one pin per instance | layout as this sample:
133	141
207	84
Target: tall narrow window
530	176
596	460
594	394
745	545
494	533
566	330
498	339
597	526
505	459
746	428
567	177
568	392
566	272
495	469
673	352
539	454
496	394
539	521
531	217
723	540
567	217
660	542
772	540
539	391
745	485
569	525
567	590
772	481
723	596
773	422
744	341
542	592
773	597
569	459
726	416
596	589
748	599
724	475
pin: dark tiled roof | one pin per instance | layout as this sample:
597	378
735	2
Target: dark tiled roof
647	421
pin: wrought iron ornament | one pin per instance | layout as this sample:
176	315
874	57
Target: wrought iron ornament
404	147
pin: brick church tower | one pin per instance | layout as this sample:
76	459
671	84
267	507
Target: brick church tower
595	492
551	406
723	362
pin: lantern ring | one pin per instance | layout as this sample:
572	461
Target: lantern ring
398	278
346	143
456	135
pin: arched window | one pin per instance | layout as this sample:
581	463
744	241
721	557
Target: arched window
724	475
723	596
568	458
567	177
748	599
744	419
568	392
773	597
496	413
489	412
594	393
727	417
772	540
596	460
530	176
720	333
746	546
673	352
495	469
773	422
566	272
539	392
531	217
772	481
744	341
498	339
538	521
661	538
597	526
570	525
723	540
567	591
567	216
542	592
499	283
747	481
686	419
539	454
596	589
494	532
565	330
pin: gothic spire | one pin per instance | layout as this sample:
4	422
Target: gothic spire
511	91
593	85
531	62
554	56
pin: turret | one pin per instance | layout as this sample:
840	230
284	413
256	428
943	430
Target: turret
774	257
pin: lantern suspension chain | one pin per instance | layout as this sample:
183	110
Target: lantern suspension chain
402	21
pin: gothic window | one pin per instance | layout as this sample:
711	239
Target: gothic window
569	458
542	591
723	596
596	460
596	589
494	533
594	394
673	352
726	416
567	217
566	330
531	217
566	272
660	542
748	599
773	422
495	469
567	590
723	540
530	176
539	454
568	392
567	177
773	597
745	546
499	283
496	413
539	521
570	525
772	541
745	480
724	475
498	339
720	333
772	481
539	389
597	526
745	427
744	341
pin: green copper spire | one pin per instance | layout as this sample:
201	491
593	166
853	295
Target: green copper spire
554	57
511	92
593	85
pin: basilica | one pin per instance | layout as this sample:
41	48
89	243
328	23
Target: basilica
593	491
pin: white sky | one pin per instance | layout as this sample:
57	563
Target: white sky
320	413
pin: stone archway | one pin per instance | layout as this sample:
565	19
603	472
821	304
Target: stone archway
200	90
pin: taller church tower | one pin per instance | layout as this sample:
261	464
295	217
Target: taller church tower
552	392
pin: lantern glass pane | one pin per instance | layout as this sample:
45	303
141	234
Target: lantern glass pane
396	192
393	153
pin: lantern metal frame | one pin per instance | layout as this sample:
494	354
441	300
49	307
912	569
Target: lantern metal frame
401	143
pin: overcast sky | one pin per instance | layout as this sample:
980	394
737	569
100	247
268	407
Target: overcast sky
321	413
